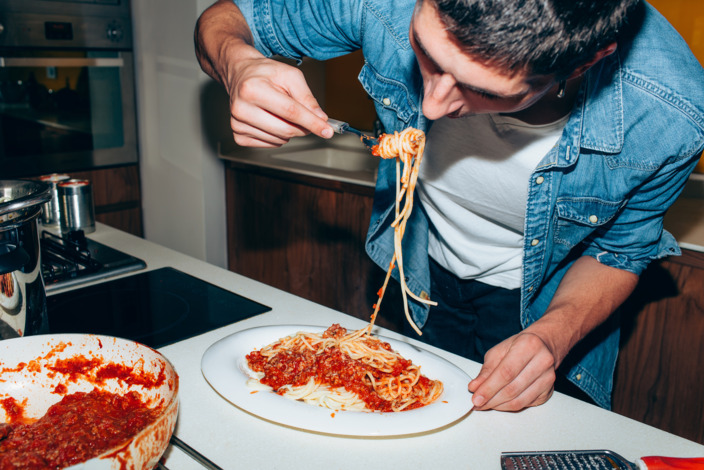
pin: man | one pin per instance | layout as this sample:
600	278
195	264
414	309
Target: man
561	132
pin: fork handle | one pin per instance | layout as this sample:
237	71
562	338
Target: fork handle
340	127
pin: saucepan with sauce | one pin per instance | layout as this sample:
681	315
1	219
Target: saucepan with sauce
84	401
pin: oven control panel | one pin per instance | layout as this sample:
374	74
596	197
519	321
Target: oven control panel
90	24
40	31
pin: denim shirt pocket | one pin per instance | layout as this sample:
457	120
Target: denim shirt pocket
579	218
394	101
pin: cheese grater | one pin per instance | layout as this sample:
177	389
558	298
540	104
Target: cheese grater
594	460
561	460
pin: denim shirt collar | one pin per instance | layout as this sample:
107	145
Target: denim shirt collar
596	122
602	127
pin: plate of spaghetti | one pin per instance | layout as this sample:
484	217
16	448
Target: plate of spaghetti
336	381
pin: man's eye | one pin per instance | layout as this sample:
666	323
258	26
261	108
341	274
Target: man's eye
482	94
485	96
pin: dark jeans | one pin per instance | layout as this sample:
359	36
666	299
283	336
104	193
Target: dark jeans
471	317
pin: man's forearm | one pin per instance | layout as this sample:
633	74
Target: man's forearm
221	37
588	294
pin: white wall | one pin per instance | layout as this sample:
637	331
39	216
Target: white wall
181	114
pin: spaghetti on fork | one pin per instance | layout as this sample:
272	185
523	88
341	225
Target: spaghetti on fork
407	148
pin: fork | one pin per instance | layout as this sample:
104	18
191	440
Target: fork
194	454
341	127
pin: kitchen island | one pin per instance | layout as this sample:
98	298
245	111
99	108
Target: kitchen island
233	438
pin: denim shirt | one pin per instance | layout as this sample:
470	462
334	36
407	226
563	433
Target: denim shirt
631	141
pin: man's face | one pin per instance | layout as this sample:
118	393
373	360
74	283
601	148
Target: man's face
457	85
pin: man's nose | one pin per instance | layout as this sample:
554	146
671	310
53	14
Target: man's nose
440	97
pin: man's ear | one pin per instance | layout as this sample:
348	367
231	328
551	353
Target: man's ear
606	51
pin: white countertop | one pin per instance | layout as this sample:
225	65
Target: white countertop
232	438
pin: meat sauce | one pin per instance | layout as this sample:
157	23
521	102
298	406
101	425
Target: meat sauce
330	367
79	427
82	425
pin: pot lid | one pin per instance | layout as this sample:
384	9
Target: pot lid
20	198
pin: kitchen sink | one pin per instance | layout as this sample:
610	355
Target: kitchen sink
332	157
342	158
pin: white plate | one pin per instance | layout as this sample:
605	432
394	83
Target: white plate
224	366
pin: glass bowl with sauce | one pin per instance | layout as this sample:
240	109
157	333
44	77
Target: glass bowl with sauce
105	402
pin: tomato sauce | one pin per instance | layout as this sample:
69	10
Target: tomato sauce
95	370
130	376
330	367
75	367
13	410
79	427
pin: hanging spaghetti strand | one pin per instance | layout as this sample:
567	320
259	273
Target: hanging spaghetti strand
407	148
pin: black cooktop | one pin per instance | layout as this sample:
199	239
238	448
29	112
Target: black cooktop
156	308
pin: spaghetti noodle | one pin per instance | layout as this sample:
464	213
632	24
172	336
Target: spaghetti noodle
407	148
342	370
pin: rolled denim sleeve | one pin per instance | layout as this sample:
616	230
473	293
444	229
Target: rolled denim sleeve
320	29
247	9
637	235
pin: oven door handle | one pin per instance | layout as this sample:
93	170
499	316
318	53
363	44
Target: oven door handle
61	62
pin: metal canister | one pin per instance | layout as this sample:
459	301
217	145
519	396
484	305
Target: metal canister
77	211
51	210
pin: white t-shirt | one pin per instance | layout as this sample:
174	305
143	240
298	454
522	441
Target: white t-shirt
474	186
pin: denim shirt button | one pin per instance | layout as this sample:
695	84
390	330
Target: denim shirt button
539	180
386	101
578	377
593	219
534	242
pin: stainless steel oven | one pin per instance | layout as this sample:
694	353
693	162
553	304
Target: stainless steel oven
67	98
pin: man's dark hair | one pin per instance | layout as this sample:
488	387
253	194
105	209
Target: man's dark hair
544	37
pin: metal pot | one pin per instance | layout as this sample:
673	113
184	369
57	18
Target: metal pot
22	294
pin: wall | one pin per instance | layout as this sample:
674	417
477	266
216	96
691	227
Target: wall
687	16
183	183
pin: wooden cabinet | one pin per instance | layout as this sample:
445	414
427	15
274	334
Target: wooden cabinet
302	235
116	196
659	378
